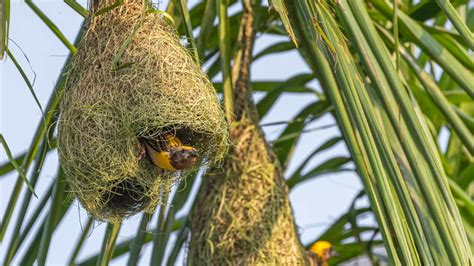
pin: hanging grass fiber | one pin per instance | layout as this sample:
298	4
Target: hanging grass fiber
132	79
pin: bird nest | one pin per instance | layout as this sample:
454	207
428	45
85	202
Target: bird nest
243	215
132	79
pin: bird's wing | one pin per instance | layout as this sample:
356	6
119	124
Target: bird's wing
160	159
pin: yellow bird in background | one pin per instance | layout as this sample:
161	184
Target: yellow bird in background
172	155
324	251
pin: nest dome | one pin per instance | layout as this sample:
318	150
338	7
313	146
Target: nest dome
131	79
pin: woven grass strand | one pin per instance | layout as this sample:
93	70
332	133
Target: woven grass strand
132	78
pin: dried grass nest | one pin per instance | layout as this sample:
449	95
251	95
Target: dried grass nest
243	214
155	87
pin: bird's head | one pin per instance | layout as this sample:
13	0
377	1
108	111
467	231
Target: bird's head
183	157
323	249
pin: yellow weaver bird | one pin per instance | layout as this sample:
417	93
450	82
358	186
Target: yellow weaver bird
172	155
324	251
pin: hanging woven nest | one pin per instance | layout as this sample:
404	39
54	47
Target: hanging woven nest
132	80
242	215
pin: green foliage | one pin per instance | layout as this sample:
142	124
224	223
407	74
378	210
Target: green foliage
416	211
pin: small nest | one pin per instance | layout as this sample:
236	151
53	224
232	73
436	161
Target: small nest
114	99
243	215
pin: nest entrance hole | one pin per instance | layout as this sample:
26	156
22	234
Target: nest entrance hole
187	136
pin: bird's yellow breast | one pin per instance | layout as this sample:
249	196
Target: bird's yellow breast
160	158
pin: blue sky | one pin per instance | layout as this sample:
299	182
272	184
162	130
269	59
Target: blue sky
316	203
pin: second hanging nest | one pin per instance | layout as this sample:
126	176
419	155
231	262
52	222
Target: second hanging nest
242	214
132	79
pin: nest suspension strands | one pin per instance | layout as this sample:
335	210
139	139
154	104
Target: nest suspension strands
243	215
137	113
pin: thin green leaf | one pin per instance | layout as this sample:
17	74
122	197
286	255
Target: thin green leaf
53	217
163	237
38	164
31	252
266	103
31	222
338	226
427	9
415	33
453	45
332	165
184	190
164	14
438	97
183	7
116	65
159	232
178	244
452	156
51	116
460	194
465	177
284	148
80	241
454	17
108	244
225	56
326	145
395	34
433	185
273	49
207	18
4	26
280	7
124	247
269	86
51	26
106	9
459	73
17	167
77	7
7	166
137	244
25	78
